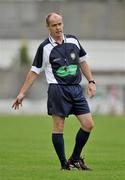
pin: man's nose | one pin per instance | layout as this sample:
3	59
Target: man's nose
57	26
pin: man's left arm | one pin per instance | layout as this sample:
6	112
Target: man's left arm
85	69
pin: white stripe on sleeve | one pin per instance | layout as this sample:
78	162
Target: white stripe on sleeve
36	70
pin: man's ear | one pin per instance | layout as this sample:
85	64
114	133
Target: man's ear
47	27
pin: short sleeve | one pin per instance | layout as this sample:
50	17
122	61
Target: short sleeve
38	61
82	53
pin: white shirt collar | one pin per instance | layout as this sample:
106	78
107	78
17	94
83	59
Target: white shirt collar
53	41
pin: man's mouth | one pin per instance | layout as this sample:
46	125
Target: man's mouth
59	32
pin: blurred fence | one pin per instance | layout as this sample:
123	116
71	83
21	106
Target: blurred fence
93	19
107	61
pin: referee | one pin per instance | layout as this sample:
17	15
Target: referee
63	59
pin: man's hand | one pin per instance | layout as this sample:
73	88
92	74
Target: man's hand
31	76
91	90
18	101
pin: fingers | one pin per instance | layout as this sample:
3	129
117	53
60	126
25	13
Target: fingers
90	94
91	91
17	103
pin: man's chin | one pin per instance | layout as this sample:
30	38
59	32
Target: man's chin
59	35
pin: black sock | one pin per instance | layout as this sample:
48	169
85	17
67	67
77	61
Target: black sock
58	143
81	139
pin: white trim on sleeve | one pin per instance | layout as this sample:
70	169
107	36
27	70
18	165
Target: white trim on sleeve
83	58
36	70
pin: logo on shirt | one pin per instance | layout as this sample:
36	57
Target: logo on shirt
67	70
73	56
55	60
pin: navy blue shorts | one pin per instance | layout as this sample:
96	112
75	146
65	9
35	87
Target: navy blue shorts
64	100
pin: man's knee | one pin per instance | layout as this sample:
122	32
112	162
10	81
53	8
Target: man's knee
58	124
86	121
89	125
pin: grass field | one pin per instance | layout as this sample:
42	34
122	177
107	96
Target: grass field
26	151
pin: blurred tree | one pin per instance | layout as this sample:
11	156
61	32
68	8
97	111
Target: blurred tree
22	58
19	68
24	55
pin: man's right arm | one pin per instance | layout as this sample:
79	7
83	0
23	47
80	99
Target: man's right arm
31	77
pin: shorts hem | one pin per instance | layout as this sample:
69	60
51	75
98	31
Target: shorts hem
61	115
82	113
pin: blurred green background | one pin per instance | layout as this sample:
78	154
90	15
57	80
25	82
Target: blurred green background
100	27
26	151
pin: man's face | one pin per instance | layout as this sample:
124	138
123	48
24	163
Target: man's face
55	26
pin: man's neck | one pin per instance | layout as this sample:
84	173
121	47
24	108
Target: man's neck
58	39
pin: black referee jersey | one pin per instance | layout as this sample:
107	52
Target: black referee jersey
60	61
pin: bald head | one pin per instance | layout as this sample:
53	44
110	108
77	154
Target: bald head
52	17
54	24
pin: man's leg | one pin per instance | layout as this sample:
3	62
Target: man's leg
57	139
82	135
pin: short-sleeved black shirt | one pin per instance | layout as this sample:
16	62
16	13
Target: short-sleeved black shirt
60	61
